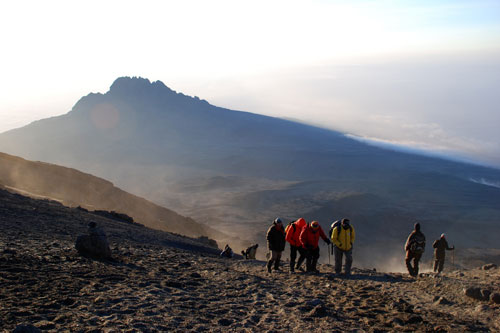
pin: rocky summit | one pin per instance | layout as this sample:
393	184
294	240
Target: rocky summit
158	281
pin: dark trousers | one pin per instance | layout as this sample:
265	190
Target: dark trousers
293	256
275	259
438	264
413	270
312	259
338	260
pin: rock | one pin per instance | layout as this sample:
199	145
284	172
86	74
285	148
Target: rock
414	319
485	294
225	322
489	266
9	251
441	300
315	302
318	312
482	308
473	292
396	322
495	298
95	244
26	329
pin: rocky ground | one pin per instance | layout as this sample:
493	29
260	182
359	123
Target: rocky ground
163	282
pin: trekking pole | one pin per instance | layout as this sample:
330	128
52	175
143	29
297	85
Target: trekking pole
329	254
453	257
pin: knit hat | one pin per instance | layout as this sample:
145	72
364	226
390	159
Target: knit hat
442	235
314	224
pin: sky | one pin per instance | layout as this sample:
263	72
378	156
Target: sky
422	74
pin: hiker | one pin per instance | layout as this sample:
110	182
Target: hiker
275	243
250	252
440	245
227	252
293	231
309	238
343	236
414	247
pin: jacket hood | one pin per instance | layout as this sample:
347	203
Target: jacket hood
301	222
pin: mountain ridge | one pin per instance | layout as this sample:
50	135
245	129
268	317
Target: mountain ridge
75	188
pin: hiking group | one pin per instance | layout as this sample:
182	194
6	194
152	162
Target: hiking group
304	238
415	247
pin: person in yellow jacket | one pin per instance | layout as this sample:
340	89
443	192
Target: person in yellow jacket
343	236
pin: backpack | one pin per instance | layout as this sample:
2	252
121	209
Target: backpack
417	245
335	224
290	224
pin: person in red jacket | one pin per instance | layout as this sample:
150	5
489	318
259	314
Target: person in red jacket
309	238
293	231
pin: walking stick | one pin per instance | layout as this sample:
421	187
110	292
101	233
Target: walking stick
453	257
329	254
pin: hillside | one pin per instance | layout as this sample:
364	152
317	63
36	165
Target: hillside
74	188
236	171
163	282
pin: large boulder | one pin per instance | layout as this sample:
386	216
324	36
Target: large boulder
95	244
473	292
477	293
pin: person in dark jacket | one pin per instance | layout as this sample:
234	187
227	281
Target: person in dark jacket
276	244
440	246
414	247
227	252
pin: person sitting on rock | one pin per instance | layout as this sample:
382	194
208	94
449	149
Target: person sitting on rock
95	244
275	243
293	231
309	238
250	252
440	246
414	247
343	236
227	252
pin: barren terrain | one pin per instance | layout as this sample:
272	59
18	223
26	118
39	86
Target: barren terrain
164	282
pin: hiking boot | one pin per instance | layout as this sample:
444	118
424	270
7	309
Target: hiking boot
300	268
269	265
292	270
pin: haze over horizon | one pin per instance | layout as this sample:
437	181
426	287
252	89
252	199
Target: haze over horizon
420	74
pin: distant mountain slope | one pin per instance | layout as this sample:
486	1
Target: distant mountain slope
74	188
237	171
